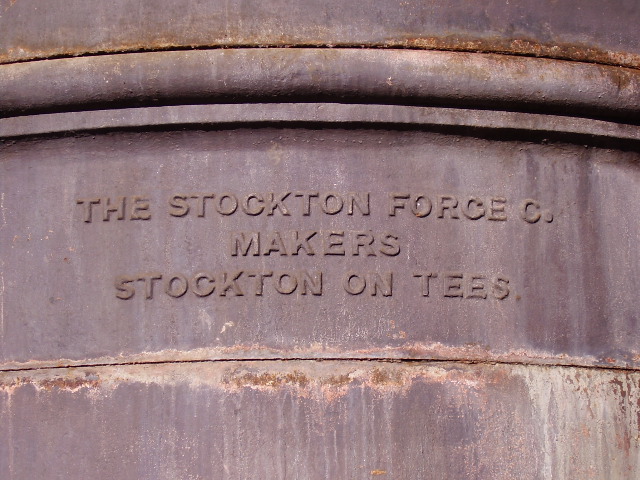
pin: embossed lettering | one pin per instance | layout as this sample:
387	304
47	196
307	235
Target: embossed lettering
331	203
464	285
363	240
253	208
496	209
474	286
391	245
230	282
301	241
311	282
283	286
420	205
308	242
124	288
274	244
396	202
360	200
140	208
334	243
109	207
452	284
354	283
374	282
240	242
276	202
447	203
270	203
87	203
424	281
227	284
148	279
178	206
176	286
500	288
227	204
306	201
377	282
201	199
259	276
473	208
197	284
531	212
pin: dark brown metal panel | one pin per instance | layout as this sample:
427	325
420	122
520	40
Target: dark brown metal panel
577	30
305	420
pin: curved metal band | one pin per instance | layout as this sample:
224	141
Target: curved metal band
333	114
425	78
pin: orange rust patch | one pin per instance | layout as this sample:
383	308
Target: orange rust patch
63	383
266	379
71	383
519	46
337	380
386	377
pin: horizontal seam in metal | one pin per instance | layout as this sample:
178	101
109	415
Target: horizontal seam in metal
326	359
319	46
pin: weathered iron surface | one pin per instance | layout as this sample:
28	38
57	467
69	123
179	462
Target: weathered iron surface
359	420
306	263
583	30
316	242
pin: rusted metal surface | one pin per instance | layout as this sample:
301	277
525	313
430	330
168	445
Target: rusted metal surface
494	82
549	230
575	30
306	263
357	420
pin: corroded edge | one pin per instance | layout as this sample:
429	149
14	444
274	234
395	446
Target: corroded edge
572	30
418	352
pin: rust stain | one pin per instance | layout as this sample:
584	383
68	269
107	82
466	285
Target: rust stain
386	377
337	380
315	381
72	384
586	398
506	46
519	46
621	77
520	412
324	381
274	380
470	353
